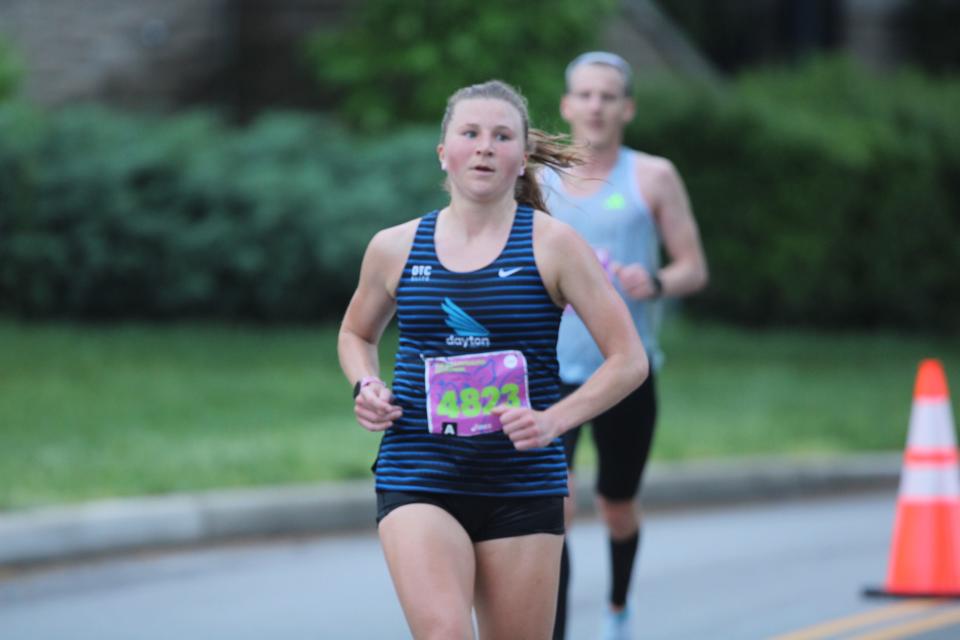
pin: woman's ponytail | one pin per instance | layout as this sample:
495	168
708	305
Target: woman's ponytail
545	150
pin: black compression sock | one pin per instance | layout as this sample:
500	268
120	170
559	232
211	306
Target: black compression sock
560	624
622	554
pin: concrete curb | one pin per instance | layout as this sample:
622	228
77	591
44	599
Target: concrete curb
111	526
779	477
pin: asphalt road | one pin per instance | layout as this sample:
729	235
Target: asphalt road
792	569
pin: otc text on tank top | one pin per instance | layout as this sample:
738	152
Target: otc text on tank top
441	313
617	222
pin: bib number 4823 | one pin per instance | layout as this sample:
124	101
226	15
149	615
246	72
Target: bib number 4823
462	391
472	403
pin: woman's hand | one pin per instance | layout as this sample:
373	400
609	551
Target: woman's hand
374	409
526	428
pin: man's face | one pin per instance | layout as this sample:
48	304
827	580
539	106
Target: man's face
596	106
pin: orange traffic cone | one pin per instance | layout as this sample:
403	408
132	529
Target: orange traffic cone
925	552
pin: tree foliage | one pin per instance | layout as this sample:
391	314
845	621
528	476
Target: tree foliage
398	60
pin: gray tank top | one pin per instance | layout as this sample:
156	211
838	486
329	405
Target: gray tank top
617	222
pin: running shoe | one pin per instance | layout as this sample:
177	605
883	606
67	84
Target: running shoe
617	625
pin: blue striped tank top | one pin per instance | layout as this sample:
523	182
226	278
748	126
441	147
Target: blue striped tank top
445	313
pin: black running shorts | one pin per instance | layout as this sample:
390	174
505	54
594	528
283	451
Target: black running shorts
485	517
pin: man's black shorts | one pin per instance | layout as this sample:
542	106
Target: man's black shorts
623	436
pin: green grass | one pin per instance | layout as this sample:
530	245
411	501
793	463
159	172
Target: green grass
90	412
730	392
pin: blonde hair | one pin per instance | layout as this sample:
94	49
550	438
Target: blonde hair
543	149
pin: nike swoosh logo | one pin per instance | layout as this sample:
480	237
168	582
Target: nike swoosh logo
503	273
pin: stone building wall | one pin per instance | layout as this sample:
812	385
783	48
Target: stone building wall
151	52
871	31
163	53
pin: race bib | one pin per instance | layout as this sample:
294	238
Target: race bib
463	390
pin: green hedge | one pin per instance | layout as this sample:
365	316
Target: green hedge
107	215
11	70
826	196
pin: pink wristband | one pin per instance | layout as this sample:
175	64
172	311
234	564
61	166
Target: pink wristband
364	381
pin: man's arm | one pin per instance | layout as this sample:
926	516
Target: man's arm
686	269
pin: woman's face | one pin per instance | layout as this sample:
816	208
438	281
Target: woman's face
483	148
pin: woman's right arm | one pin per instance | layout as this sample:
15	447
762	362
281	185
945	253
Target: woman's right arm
368	314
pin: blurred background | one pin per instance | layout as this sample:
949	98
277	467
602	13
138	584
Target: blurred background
187	188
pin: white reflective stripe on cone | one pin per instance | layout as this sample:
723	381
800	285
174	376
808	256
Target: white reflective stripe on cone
931	425
930	481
